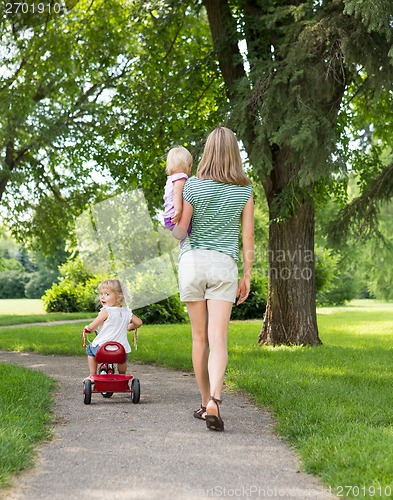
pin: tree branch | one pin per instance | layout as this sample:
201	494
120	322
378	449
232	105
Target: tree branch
360	217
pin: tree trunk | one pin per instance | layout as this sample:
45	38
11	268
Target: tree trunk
290	316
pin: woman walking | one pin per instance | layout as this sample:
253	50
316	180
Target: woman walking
218	200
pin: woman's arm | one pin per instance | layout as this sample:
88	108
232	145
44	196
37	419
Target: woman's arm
178	199
180	230
247	219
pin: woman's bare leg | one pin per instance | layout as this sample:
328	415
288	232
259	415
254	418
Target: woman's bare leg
197	312
219	314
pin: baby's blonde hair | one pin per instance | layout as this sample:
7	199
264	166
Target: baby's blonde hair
221	160
119	288
178	160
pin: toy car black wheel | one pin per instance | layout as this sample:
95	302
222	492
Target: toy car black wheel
87	392
107	394
136	390
103	371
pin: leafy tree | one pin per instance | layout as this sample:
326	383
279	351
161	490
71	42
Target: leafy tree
371	116
13	284
40	271
374	264
9	254
38	283
89	103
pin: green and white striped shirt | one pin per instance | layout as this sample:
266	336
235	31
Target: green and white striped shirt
216	217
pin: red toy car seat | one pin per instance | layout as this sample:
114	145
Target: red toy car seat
111	352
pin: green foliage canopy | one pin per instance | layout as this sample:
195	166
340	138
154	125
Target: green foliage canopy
91	101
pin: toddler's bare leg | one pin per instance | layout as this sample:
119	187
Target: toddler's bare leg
122	368
91	361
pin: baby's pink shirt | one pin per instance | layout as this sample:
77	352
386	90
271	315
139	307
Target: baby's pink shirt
169	209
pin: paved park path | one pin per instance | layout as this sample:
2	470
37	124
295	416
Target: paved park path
114	449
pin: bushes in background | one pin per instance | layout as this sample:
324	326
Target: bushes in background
24	274
255	305
170	310
20	284
76	290
13	284
38	283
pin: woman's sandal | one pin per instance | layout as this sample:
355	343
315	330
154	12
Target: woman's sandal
200	413
215	422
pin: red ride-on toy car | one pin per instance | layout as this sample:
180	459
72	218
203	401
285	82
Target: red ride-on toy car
107	381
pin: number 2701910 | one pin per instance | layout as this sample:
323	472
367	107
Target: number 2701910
34	8
368	491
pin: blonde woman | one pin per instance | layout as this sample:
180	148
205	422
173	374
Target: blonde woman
218	200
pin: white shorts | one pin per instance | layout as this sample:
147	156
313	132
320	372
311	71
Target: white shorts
207	274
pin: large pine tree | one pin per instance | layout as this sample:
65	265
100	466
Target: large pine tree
291	92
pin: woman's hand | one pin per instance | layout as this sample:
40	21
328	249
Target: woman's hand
243	290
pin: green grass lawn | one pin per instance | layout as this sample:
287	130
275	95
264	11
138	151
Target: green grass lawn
25	415
332	403
20	311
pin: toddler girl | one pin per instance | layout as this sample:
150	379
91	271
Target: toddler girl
113	321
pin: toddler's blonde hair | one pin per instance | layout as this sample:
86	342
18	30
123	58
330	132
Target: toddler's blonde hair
178	160
119	288
221	160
